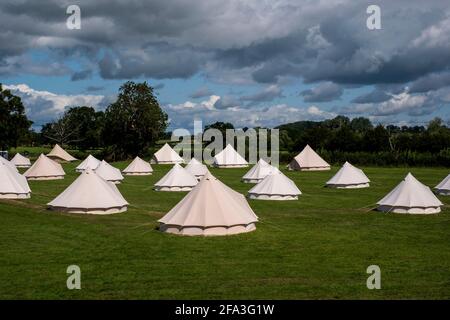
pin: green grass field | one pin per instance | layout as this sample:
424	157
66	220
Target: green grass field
315	248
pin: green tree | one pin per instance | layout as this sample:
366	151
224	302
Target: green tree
63	131
337	122
14	124
435	125
221	126
436	137
30	138
361	124
87	125
134	122
377	139
343	139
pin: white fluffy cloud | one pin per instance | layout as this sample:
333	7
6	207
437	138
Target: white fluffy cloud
182	115
189	105
401	103
44	106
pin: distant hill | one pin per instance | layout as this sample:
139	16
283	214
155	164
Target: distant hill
298	126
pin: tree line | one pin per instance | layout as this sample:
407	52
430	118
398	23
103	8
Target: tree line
359	134
342	139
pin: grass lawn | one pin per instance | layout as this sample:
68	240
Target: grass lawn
316	247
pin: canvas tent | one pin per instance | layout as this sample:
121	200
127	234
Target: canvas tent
211	208
229	158
166	155
196	168
410	196
177	179
275	186
90	194
60	155
308	160
8	164
443	188
12	184
349	177
258	172
45	169
108	172
20	161
90	162
138	167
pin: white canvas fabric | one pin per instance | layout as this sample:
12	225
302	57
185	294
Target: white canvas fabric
275	186
177	179
210	209
90	194
229	158
12	184
45	169
166	155
138	167
8	164
410	196
443	188
349	177
196	168
258	172
308	160
20	161
59	154
108	172
90	162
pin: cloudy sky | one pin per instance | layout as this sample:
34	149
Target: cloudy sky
252	62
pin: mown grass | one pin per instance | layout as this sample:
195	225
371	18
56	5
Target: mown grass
315	248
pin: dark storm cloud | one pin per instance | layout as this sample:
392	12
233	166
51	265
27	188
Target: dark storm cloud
262	51
158	60
327	91
271	71
350	53
12	45
267	42
431	82
50	10
368	69
13	66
